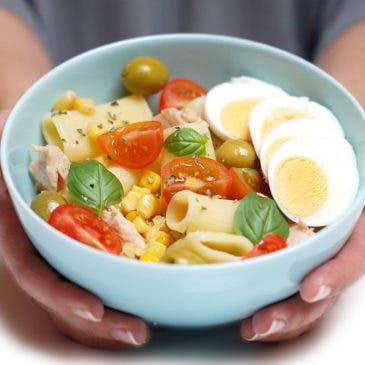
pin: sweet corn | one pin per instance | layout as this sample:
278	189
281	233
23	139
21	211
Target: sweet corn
65	101
150	180
147	206
164	238
132	250
130	201
156	249
85	105
149	258
140	224
140	191
132	215
159	221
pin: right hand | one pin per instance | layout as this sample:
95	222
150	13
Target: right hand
75	312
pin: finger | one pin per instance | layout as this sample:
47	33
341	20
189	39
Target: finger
75	310
284	320
116	330
36	277
330	279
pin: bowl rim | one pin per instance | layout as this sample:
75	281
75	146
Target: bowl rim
295	250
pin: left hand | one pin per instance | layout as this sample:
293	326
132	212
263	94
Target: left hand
318	291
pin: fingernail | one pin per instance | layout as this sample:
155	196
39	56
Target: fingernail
85	314
125	336
323	292
276	326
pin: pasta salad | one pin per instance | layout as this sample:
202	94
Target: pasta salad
220	175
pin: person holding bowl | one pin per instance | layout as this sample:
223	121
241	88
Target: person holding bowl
331	37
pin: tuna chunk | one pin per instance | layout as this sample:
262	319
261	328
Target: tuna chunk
51	170
298	233
126	230
171	117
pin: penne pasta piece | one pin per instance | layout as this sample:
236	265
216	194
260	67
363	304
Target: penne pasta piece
188	212
70	130
207	248
127	177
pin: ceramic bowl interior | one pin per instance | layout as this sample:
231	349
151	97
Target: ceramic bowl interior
173	295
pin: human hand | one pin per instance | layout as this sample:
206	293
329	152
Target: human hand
75	312
318	291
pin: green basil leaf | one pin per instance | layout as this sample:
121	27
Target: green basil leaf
256	216
186	141
93	186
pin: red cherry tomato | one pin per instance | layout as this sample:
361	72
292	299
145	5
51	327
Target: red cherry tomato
270	243
199	174
244	181
178	92
135	145
85	226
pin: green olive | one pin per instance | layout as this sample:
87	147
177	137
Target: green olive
45	202
236	153
145	75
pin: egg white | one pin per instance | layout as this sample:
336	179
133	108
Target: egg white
239	88
296	128
262	111
336	159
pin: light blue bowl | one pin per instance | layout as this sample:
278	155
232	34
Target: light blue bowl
182	296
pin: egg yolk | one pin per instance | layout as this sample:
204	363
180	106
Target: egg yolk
272	148
235	117
279	116
301	186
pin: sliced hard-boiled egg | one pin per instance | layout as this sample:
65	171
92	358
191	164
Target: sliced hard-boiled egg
314	180
228	106
270	113
295	128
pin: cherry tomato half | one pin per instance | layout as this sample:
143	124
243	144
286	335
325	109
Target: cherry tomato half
178	92
199	174
134	145
85	226
270	243
245	180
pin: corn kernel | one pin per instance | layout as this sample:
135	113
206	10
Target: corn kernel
132	215
132	250
130	201
141	225
156	249
149	258
158	221
164	238
65	101
150	180
140	191
147	206
85	105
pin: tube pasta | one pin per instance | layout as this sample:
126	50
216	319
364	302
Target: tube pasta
202	128
188	211
127	177
68	130
207	248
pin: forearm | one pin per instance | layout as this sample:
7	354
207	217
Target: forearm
23	59
344	59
